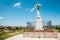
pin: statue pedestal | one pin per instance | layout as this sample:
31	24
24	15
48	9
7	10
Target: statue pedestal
40	34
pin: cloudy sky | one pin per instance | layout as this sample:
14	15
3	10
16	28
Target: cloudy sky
18	12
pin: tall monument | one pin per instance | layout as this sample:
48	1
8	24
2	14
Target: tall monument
39	32
39	25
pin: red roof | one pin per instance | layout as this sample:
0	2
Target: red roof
40	31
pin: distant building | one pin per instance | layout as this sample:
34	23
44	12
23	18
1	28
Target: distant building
32	24
47	23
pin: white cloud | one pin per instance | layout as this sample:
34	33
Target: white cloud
27	9
1	17
17	5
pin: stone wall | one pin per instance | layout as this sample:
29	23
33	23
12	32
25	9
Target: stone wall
40	34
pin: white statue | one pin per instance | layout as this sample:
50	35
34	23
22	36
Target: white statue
39	25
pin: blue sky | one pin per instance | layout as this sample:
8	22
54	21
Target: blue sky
15	15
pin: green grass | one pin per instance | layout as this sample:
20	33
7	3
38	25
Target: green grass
4	35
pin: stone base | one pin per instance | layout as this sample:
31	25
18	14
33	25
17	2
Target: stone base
39	29
40	34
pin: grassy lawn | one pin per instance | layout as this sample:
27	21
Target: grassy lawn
4	35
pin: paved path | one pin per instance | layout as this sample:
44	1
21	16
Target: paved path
20	37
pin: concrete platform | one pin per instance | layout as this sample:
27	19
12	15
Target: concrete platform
40	34
20	37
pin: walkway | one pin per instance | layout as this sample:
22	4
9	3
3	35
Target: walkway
20	37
